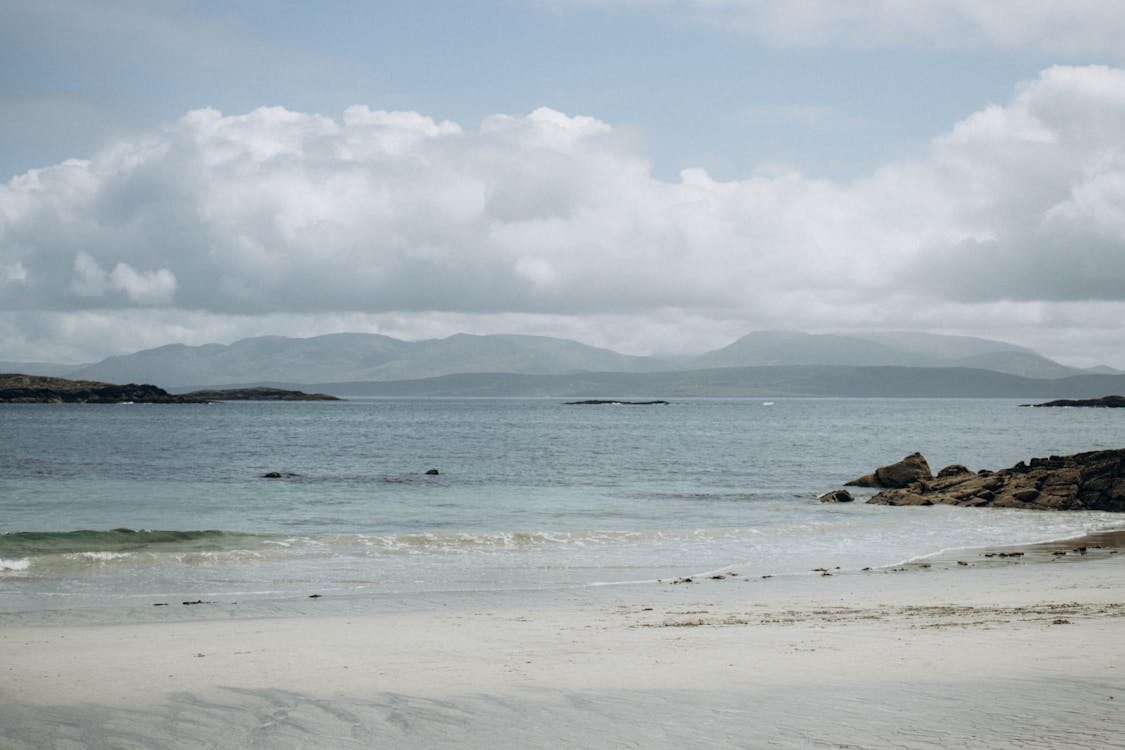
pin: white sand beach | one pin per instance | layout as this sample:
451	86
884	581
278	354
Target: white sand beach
1010	652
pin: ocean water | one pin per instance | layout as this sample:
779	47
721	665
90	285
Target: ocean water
107	510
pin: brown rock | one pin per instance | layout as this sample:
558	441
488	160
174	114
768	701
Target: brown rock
837	496
1084	481
953	470
910	469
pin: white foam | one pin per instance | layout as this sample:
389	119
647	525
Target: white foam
14	566
100	556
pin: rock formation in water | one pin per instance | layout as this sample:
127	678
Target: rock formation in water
1085	481
836	496
1103	402
260	393
900	474
33	389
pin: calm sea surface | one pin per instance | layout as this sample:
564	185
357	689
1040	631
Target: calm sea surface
108	510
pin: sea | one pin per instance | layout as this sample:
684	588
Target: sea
123	513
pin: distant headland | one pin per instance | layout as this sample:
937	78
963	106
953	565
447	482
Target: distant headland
16	388
1103	402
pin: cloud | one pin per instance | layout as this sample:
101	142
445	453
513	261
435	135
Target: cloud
1076	27
556	223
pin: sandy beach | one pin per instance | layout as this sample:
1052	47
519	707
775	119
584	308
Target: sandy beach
980	648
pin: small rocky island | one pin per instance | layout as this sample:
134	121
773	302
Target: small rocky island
615	402
1105	402
260	393
1084	481
36	389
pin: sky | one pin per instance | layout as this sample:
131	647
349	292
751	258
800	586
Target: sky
653	176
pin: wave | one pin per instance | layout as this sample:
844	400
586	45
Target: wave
14	566
104	546
23	544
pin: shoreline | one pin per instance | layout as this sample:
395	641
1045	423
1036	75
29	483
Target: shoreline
1005	651
1094	545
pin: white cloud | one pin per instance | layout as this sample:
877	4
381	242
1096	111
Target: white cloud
395	222
139	287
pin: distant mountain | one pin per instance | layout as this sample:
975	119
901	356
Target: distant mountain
764	348
940	346
361	357
901	348
355	356
46	369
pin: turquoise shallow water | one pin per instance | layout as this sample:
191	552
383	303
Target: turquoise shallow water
532	495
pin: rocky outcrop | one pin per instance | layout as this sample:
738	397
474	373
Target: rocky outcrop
836	496
901	474
1103	402
1084	481
33	389
614	402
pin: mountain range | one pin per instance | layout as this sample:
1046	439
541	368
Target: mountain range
760	363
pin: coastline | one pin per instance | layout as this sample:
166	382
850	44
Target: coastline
999	651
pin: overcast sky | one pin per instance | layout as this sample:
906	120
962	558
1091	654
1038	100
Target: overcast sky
647	175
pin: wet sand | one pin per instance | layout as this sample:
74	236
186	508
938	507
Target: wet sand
965	649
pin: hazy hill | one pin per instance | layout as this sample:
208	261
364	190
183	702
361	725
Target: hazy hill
764	348
46	369
898	348
355	357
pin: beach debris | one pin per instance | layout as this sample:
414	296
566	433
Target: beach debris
315	596
197	601
684	579
962	562
718	577
836	496
1060	621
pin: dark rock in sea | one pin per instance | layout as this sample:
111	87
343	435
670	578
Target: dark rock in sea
910	469
279	475
432	472
259	394
1085	481
1103	402
837	496
612	402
